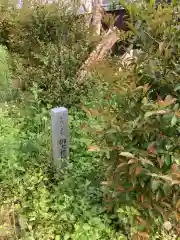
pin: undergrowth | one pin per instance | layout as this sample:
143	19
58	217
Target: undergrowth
42	204
39	203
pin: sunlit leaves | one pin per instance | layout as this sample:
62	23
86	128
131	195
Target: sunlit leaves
93	149
167	102
142	113
127	154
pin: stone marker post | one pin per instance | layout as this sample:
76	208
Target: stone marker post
59	121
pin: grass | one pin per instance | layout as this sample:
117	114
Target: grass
48	205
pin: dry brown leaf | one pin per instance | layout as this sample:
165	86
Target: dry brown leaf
85	109
161	112
146	205
177	114
177	217
175	168
146	88
93	149
121	165
160	162
145	235
84	126
131	161
178	204
116	148
167	101
94	112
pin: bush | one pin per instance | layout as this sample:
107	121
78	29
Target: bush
48	44
135	119
36	202
5	75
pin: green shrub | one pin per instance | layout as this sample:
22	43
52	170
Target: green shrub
5	75
42	204
48	45
135	119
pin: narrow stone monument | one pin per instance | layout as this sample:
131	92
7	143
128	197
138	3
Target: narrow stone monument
59	121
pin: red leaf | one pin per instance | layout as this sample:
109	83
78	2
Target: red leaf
142	198
107	97
161	134
138	170
174	168
120	189
152	148
130	189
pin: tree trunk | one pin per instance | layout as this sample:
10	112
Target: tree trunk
97	14
98	54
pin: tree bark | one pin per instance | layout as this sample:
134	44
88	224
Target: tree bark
98	54
97	14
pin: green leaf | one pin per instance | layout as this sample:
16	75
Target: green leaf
177	88
155	185
86	227
127	154
167	160
176	107
148	114
166	188
152	2
158	195
57	237
161	47
173	121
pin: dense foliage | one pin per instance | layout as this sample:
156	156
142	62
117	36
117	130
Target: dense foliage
47	48
135	118
128	187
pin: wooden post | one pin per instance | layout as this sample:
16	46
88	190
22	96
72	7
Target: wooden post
59	121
